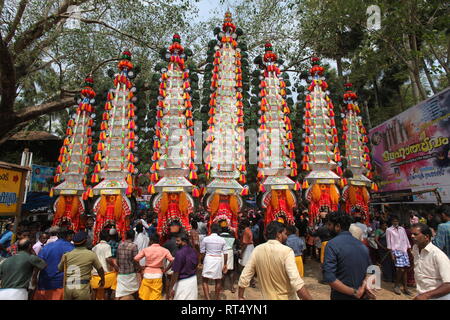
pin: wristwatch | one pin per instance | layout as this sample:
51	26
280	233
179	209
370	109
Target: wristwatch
355	293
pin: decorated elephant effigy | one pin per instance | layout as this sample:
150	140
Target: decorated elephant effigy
115	158
224	210
321	155
225	150
173	207
322	197
74	163
173	166
355	193
276	156
279	206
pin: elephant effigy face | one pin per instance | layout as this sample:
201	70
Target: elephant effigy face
173	196
110	199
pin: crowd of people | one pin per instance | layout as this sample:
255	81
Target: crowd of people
55	263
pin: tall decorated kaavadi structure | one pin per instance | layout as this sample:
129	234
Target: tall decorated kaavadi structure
276	155
321	152
114	157
355	193
173	145
74	162
225	150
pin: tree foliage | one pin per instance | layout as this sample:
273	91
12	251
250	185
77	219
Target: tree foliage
43	60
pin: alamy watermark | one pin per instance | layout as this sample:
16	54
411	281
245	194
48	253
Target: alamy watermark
374	19
225	143
73	21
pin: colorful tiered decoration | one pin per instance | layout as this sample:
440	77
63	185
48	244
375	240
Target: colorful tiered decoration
321	152
225	150
115	158
74	162
173	157
355	193
276	155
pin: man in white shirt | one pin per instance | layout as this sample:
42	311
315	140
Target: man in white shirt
104	254
141	220
43	237
212	249
141	240
431	266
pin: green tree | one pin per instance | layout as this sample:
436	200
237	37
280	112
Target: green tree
43	60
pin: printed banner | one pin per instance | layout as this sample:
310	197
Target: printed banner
40	177
411	150
10	181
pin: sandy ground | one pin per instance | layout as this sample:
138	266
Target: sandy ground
317	290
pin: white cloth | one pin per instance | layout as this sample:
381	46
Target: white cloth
431	268
103	251
141	241
166	264
213	245
186	289
153	275
364	228
230	240
230	259
37	247
246	254
51	239
13	294
212	267
127	284
144	223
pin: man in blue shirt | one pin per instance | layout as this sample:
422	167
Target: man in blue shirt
442	238
50	284
346	260
183	284
255	230
5	240
297	245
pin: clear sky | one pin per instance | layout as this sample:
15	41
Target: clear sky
206	8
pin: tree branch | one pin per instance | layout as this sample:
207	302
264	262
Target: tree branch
7	78
45	65
93	70
2	4
24	65
91	21
16	21
18	128
38	29
440	60
33	112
